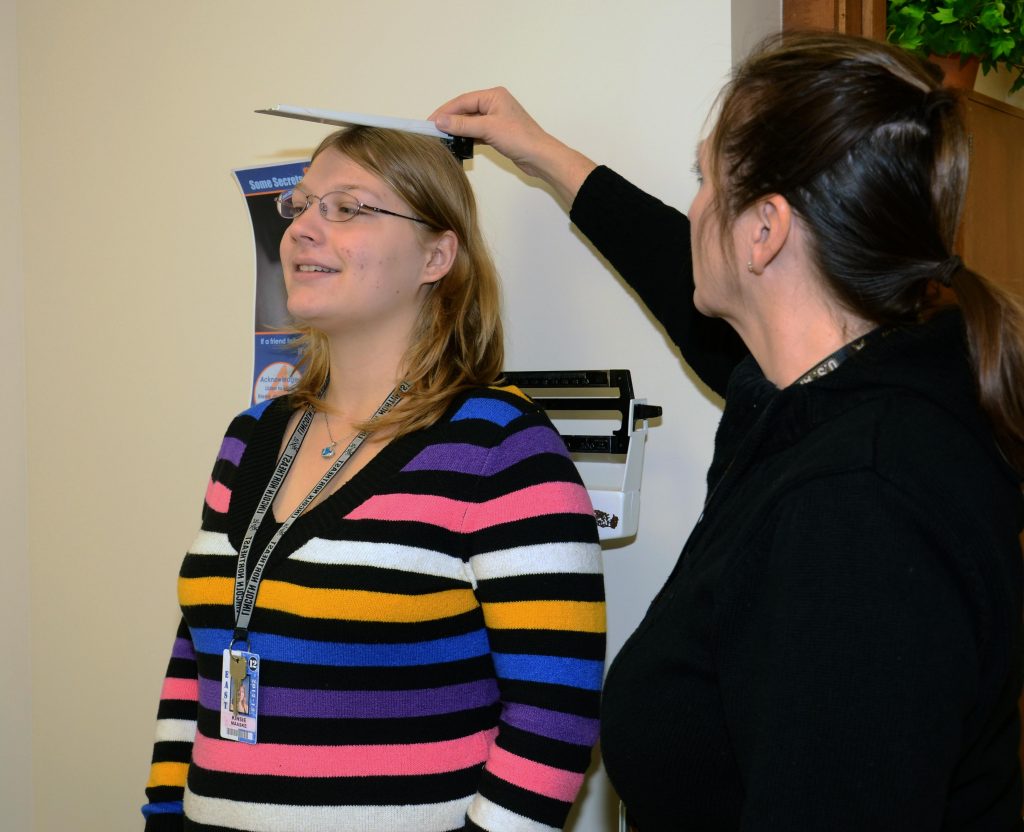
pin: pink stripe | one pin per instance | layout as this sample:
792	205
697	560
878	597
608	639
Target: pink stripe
218	497
175	688
535	777
341	760
457	515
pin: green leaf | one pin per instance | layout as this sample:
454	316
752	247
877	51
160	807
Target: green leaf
911	15
993	20
910	42
1001	46
944	16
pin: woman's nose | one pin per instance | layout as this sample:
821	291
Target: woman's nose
310	222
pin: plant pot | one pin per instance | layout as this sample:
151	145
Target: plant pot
961	77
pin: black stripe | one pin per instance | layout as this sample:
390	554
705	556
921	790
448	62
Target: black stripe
549	752
280	674
164	794
544	587
314	732
546	529
341	631
537	806
555	697
176	709
549	643
178	668
336	791
369	578
167	751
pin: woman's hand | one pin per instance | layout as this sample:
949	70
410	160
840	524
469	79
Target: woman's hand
496	118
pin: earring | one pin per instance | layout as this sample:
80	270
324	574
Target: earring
750	266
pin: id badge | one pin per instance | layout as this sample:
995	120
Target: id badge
239	695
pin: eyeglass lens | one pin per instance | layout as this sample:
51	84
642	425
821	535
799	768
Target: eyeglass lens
336	206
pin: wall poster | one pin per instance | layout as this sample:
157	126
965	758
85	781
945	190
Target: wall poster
274	352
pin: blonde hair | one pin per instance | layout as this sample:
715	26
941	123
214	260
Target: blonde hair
457	342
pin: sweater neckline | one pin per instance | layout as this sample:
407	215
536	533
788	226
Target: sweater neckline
258	464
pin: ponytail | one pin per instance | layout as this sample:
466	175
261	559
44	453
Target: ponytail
994	320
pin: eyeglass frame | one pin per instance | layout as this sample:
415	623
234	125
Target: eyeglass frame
280	200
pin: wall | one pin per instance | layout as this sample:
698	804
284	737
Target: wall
138	272
753	20
15	640
997	85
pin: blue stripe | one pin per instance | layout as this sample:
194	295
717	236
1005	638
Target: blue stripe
173	807
305	651
552	670
257	409
490	410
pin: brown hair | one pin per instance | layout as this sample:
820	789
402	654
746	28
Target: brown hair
870	150
458	341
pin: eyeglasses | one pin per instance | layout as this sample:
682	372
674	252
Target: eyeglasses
337	206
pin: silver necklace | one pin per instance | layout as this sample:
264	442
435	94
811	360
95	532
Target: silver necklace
328	450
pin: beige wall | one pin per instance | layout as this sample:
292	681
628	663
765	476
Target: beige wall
997	85
15	640
753	20
138	271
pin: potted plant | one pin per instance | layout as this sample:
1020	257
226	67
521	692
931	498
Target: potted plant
989	32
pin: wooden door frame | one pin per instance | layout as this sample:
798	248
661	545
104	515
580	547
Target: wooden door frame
852	17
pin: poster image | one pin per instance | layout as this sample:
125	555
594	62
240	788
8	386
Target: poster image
274	352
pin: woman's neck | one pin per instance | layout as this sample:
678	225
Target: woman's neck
362	375
791	337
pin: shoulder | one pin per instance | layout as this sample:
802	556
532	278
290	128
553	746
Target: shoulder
497	405
900	486
491	416
507	433
243	424
242	435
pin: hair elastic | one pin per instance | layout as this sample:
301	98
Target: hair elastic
948	269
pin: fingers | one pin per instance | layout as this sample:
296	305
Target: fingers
490	116
477	102
469	126
468	102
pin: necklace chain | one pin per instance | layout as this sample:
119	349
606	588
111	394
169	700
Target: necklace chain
328	450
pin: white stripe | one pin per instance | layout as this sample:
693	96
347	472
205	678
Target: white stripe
492	816
382	556
212	543
175	730
277	817
542	559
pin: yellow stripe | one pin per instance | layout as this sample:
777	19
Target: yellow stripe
341	604
167	774
193	592
581	616
360	605
515	391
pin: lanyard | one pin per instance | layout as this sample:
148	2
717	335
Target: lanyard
245	591
829	364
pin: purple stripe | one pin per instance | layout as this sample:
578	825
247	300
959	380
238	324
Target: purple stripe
183	649
231	450
363	704
469	459
453	456
553	724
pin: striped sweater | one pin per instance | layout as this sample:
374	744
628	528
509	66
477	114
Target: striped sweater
431	638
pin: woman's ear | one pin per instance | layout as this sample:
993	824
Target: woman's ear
769	233
441	251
